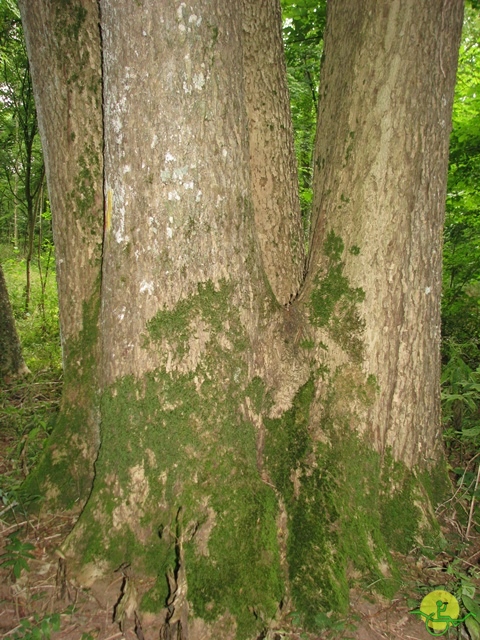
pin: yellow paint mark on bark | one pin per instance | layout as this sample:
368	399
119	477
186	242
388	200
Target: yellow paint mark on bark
108	211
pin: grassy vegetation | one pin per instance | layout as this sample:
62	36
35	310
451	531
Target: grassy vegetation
38	328
28	406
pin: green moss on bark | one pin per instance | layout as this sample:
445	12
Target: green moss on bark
399	515
437	483
333	302
259	395
182	447
180	442
331	522
86	186
347	507
211	305
64	474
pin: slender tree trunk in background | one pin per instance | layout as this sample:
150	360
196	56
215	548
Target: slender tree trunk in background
27	124
63	42
15	197
40	204
31	201
15	214
252	453
11	359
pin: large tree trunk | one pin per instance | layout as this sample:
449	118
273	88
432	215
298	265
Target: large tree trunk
184	301
251	449
11	359
380	185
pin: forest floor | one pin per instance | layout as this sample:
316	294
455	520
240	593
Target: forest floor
42	603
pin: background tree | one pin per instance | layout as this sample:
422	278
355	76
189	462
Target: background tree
247	450
11	359
23	197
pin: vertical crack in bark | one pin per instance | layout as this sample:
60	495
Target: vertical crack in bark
127	603
102	87
176	621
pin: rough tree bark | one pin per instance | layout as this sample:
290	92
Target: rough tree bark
253	443
391	139
11	359
274	180
63	42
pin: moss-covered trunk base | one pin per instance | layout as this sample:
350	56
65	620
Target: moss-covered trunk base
348	507
232	511
62	480
178	496
64	476
179	499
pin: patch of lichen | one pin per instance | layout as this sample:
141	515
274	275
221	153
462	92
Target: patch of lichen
80	351
73	45
87	182
333	302
73	17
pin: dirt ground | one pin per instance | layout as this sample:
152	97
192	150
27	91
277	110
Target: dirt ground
44	598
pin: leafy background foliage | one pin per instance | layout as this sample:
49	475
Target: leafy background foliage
304	24
461	292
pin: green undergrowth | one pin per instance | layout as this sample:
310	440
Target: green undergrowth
37	326
29	405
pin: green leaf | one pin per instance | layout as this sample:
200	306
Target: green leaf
472	432
19	565
33	433
473	628
471	606
468	590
